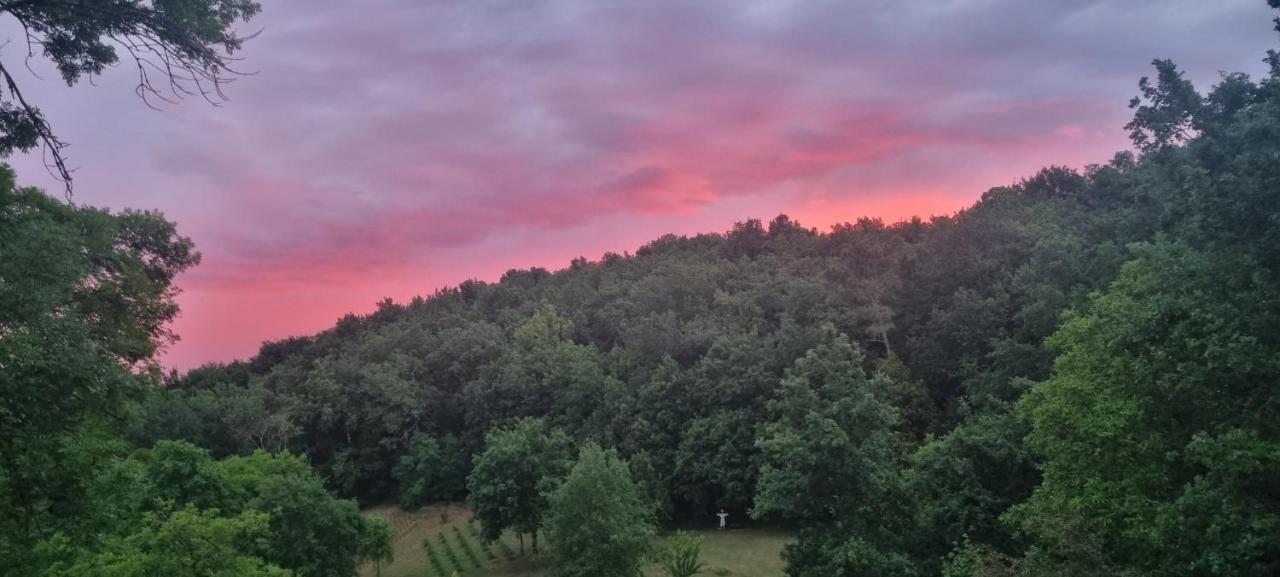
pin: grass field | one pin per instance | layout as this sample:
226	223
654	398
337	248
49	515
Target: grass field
455	545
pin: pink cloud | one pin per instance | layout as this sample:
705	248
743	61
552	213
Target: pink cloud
388	147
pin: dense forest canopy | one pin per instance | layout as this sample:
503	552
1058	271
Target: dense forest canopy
1075	375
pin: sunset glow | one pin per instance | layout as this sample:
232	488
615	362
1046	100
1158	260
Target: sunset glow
386	148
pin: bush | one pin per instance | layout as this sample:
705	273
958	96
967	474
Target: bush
681	557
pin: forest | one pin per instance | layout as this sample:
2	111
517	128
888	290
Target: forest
1076	375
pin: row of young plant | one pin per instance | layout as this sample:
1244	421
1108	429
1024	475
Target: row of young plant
466	551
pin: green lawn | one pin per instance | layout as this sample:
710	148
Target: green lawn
455	546
743	552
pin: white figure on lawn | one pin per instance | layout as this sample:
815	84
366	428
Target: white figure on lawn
723	516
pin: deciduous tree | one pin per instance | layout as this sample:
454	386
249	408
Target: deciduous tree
513	479
599	523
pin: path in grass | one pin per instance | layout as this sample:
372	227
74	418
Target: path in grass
438	540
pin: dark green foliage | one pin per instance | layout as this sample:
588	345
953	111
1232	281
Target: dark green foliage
962	483
308	531
260	515
312	533
828	452
918	414
829	463
1166	113
651	484
432	470
820	552
183	473
674	352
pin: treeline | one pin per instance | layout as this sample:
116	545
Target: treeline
675	353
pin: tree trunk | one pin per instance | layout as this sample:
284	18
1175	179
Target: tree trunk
521	544
535	541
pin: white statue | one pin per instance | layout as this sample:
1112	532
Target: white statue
723	516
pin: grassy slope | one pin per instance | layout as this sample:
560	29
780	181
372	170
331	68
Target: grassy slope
736	553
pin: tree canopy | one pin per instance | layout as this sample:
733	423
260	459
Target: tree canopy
85	295
599	523
513	479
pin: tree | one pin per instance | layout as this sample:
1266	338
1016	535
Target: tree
189	543
185	474
256	418
716	461
377	543
513	478
1161	449
829	464
181	48
85	295
681	555
829	449
918	413
964	481
652	484
1172	105
543	374
244	476
311	532
432	470
80	487
599	523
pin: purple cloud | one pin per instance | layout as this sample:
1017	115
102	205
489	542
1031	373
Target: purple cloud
386	147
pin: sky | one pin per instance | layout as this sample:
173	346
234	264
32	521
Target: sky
387	148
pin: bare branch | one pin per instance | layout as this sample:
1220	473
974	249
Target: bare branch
52	146
192	51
